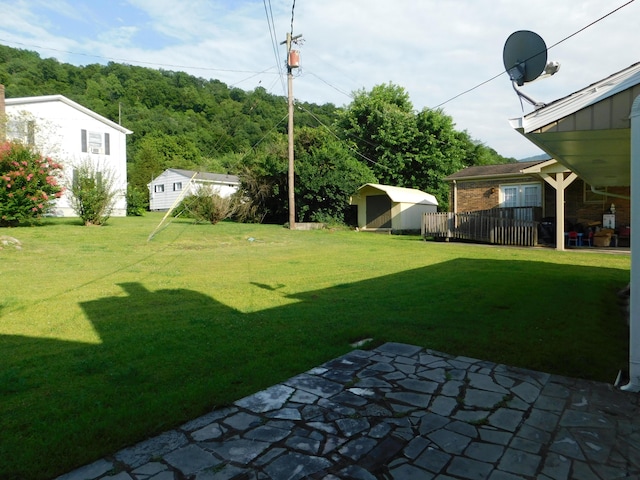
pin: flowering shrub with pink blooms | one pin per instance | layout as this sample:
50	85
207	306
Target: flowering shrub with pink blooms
28	184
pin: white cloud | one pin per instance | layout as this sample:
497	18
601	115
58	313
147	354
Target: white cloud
434	49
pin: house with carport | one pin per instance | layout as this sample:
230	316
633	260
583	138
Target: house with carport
532	187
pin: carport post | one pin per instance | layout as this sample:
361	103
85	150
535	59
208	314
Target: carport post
634	309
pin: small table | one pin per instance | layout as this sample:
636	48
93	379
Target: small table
578	242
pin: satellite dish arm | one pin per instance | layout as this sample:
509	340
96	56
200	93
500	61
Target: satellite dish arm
524	96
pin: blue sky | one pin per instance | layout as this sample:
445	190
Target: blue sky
435	49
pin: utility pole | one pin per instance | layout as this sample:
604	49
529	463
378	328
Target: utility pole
292	62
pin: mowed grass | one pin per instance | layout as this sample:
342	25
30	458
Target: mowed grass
107	338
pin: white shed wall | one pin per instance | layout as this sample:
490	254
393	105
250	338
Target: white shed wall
408	216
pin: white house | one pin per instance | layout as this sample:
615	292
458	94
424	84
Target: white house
72	135
397	209
173	183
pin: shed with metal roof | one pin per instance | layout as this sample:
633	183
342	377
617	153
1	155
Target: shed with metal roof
390	208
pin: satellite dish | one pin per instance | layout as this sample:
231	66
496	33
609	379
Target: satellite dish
524	56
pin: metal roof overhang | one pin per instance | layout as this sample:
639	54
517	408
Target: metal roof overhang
589	130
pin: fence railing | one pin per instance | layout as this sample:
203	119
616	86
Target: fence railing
490	226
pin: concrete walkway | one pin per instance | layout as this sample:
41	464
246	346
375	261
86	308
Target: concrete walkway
400	412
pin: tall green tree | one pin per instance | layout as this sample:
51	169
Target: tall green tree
327	174
408	148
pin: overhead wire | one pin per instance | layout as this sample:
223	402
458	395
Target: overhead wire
274	42
538	53
341	140
129	61
350	95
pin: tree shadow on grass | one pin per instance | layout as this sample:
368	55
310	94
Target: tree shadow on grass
170	355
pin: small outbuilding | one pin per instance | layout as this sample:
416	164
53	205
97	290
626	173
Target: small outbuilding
175	183
393	209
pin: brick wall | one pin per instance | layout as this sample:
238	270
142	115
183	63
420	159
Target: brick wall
473	196
579	211
481	194
478	195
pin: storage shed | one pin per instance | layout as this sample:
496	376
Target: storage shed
396	209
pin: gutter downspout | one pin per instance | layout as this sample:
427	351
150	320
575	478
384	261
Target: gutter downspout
634	310
454	227
607	194
455	197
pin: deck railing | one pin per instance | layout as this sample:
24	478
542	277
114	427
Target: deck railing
501	226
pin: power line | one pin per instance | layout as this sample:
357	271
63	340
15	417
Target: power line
341	140
552	46
129	61
350	95
274	42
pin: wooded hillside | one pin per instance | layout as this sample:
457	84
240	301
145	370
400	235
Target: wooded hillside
183	121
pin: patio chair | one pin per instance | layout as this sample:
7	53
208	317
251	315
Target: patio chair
624	237
573	237
588	238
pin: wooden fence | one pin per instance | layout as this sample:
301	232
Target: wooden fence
489	226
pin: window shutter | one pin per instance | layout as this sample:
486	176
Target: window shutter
107	146
83	136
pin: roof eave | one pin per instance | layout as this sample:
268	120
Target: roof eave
61	98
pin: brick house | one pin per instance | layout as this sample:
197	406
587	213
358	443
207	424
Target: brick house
535	184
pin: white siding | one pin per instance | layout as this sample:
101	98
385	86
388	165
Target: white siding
164	198
58	134
410	215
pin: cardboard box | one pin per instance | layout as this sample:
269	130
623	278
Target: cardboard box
602	239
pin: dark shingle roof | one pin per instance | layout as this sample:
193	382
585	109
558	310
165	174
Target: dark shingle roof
500	170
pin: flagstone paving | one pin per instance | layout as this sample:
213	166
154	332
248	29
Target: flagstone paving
400	412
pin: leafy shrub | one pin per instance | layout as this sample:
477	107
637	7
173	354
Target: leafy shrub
137	202
207	206
92	193
256	191
28	184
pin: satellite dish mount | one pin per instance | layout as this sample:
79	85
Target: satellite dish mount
525	60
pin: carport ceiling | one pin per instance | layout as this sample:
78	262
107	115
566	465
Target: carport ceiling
589	130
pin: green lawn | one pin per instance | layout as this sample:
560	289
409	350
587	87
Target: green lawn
107	338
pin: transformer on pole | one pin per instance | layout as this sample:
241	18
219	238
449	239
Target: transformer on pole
293	61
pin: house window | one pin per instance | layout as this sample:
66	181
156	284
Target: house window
158	188
521	195
76	178
95	142
22	130
177	186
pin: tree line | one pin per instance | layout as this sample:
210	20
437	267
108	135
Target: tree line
183	121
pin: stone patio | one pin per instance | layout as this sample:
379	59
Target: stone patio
400	412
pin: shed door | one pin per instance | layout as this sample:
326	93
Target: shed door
378	211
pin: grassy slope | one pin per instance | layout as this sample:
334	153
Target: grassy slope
107	338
